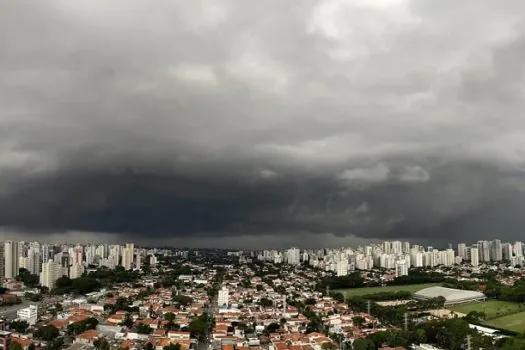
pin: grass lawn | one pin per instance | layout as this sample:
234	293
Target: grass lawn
351	292
514	322
491	308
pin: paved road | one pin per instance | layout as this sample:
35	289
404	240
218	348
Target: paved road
9	312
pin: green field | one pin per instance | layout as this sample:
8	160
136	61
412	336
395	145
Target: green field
352	292
491	308
514	322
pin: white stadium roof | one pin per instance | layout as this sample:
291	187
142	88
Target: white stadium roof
451	295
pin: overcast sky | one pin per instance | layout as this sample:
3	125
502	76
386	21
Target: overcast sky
262	123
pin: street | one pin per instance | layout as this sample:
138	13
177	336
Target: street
9	312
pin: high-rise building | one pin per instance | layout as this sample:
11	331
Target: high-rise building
127	256
462	250
397	247
474	257
495	250
223	297
51	271
518	250
293	256
2	262
508	250
76	271
401	268
11	259
138	261
484	251
34	260
342	267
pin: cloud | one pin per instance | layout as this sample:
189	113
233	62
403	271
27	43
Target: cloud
414	174
379	173
195	121
362	208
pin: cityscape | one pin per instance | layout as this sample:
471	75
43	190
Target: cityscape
262	175
392	295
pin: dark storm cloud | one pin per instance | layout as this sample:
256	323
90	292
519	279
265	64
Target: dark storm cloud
197	121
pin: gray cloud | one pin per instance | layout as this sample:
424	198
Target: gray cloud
205	120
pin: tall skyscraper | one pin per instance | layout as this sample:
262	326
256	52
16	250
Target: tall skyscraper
293	256
223	297
2	262
11	259
401	268
34	260
127	256
51	271
496	250
474	256
462	250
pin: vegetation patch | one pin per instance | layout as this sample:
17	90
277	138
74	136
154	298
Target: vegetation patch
490	308
514	322
412	288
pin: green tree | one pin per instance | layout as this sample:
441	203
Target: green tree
149	346
265	302
273	327
127	321
169	316
182	299
19	326
101	344
15	346
328	346
47	333
363	344
82	326
172	347
30	280
358	321
142	328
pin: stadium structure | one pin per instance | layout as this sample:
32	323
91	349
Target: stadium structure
452	296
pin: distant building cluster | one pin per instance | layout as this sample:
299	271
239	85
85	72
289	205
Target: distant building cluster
398	256
50	262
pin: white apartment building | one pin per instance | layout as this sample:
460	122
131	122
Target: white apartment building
138	261
127	256
474	257
342	267
223	297
51	271
293	256
401	268
11	256
28	314
76	271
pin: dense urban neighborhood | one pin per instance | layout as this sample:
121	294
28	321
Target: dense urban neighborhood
127	297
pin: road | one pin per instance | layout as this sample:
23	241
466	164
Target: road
210	310
9	312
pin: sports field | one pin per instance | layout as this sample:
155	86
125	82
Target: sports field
514	322
351	292
491	308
